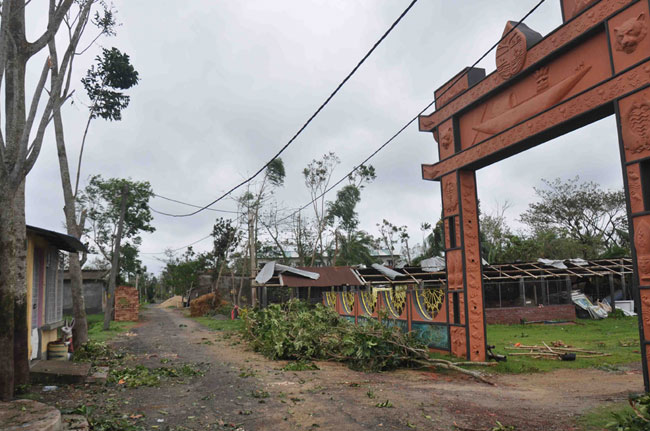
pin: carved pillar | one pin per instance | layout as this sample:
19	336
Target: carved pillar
473	279
464	279
633	118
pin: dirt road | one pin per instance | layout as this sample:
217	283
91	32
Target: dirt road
241	389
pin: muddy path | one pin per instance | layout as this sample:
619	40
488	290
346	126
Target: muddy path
241	389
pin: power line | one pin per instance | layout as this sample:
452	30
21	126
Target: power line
189	205
399	132
304	126
181	248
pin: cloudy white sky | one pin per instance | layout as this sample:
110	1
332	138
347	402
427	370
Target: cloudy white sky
224	84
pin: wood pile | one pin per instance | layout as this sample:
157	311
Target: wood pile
204	304
557	350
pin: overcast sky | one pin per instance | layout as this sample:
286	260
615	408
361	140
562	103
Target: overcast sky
224	84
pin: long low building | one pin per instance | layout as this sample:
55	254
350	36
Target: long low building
514	292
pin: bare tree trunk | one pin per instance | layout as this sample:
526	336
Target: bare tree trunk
115	264
80	330
7	292
21	351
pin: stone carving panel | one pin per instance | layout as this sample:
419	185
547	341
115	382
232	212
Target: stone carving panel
450	195
559	38
642	247
571	8
472	266
584	102
444	135
458	342
454	270
543	88
628	32
635	124
511	52
645	308
634	187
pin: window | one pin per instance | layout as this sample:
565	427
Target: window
53	287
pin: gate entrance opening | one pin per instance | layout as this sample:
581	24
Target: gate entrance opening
594	65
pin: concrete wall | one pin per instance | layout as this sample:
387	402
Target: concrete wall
514	315
93	294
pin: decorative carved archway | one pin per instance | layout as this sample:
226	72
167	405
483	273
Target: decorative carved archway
594	65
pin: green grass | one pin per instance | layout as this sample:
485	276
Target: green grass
220	325
619	337
96	323
598	418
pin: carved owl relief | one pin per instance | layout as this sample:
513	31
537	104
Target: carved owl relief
630	33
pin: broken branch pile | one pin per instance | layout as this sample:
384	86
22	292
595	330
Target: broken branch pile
559	350
301	332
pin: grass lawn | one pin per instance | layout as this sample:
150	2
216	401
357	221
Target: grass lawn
96	322
220	325
600	417
619	337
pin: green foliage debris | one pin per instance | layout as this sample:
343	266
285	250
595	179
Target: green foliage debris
303	332
140	375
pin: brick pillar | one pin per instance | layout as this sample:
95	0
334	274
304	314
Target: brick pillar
464	277
634	140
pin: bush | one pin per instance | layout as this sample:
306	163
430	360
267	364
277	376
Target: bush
638	421
302	332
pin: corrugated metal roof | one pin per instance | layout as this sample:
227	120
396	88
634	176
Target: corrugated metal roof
329	276
59	240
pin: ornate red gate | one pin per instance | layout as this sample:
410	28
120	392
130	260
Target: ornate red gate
594	65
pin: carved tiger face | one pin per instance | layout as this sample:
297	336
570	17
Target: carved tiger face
630	33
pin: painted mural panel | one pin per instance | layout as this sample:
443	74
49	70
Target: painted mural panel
434	336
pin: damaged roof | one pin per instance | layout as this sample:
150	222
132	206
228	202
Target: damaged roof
59	240
307	276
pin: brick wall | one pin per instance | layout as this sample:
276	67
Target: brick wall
513	315
126	304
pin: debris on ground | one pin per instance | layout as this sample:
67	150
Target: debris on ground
303	332
557	350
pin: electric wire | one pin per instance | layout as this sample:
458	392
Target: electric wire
304	126
399	132
404	127
190	205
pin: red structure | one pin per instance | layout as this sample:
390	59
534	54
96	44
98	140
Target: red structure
126	304
594	65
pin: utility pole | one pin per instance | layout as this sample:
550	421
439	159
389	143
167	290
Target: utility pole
110	297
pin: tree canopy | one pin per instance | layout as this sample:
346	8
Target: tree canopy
101	198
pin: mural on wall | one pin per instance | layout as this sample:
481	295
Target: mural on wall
434	336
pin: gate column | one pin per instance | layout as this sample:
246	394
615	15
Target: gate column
463	258
633	119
